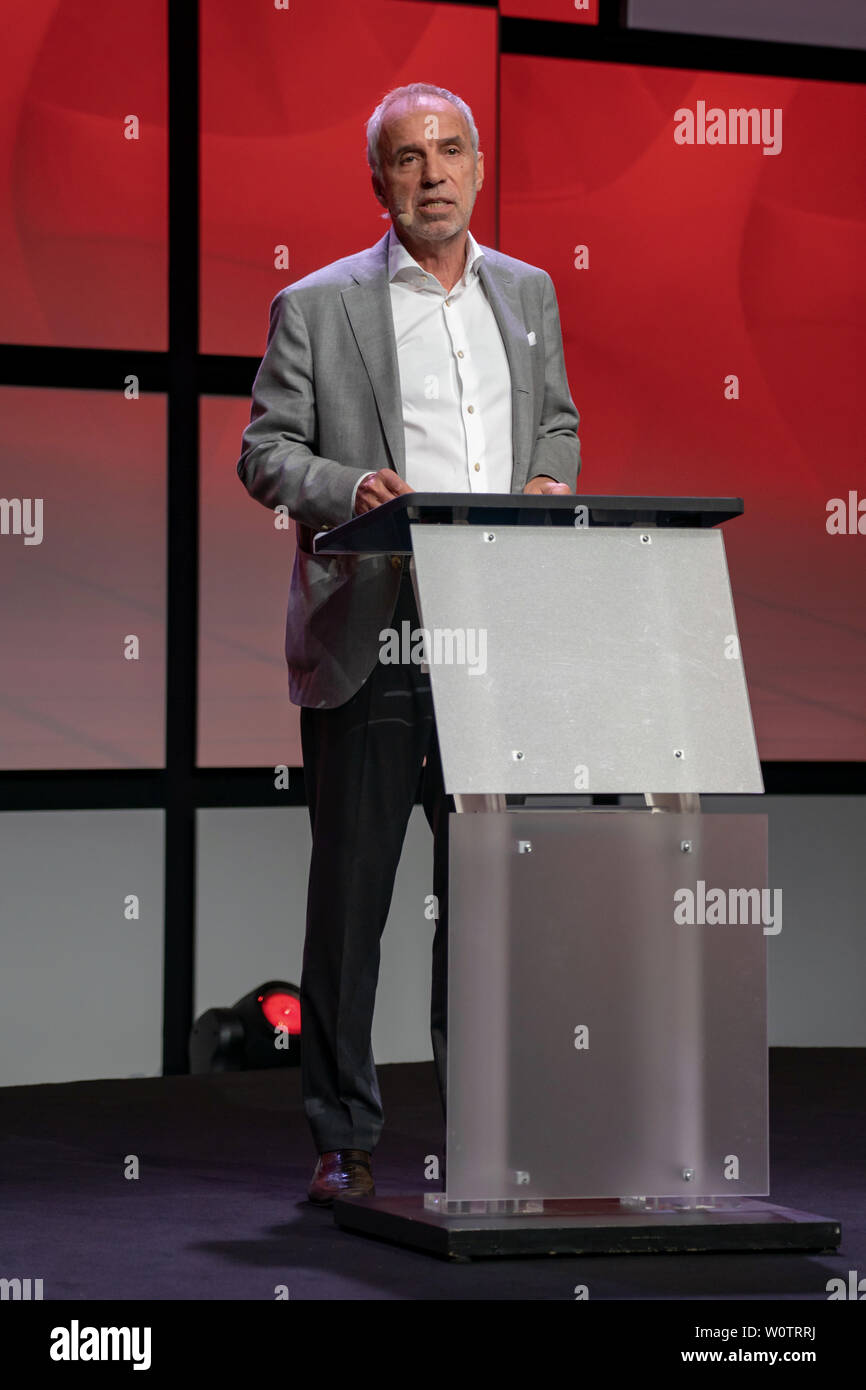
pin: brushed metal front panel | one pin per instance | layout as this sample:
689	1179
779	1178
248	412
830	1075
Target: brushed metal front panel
587	660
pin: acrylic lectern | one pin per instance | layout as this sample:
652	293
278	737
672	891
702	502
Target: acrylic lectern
607	1036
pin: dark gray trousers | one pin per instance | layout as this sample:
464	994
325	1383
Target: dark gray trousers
362	770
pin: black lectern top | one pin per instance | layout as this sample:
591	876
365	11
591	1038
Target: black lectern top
387	528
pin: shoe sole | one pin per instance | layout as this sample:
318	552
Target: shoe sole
329	1201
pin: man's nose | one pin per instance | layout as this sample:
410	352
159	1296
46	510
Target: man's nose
433	171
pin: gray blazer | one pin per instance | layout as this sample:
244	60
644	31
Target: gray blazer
327	409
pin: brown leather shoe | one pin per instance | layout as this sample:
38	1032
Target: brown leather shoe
341	1173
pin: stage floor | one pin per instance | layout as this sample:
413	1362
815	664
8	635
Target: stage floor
219	1211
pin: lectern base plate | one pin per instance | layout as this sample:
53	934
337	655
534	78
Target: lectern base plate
585	1228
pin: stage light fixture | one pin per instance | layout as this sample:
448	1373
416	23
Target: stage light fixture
263	1029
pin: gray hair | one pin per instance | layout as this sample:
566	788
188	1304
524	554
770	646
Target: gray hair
414	89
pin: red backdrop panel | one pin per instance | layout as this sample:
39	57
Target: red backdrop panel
285	99
245	718
93	578
83	209
706	261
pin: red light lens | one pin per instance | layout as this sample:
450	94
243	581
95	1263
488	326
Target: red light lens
283	1011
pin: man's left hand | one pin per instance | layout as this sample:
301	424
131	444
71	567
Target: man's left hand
543	484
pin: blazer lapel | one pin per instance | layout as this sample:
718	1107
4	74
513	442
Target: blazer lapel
508	312
368	305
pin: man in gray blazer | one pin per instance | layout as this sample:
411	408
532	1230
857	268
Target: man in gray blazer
425	363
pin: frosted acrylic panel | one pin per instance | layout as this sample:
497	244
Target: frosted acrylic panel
597	654
670	1076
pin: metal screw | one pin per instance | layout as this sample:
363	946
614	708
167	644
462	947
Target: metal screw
686	846
646	540
688	1174
517	755
524	846
490	535
678	753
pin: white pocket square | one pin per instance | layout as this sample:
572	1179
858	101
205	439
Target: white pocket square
530	338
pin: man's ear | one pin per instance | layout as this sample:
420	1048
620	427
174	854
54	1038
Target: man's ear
378	189
479	170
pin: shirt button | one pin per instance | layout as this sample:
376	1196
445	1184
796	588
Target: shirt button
471	409
459	352
396	562
448	302
477	467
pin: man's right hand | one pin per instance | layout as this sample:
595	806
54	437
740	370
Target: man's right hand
378	488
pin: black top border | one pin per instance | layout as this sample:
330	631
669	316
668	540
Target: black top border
387	528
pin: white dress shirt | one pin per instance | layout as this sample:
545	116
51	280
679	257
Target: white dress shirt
455	382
